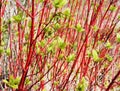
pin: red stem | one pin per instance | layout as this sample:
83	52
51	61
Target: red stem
115	77
29	58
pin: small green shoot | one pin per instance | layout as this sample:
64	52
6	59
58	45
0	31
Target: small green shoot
70	58
59	3
79	28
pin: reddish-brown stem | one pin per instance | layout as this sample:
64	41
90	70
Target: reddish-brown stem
0	21
112	82
29	58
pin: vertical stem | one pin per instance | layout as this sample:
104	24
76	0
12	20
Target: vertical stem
29	57
0	20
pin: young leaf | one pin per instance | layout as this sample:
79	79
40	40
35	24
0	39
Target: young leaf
48	65
5	81
95	55
18	17
108	45
59	3
119	17
61	43
13	86
61	56
118	37
16	81
112	8
82	85
27	81
29	24
88	53
109	58
42	43
51	47
79	28
8	51
57	26
41	1
13	82
66	12
38	50
70	58
1	49
95	28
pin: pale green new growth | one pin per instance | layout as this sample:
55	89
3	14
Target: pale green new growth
82	85
79	28
8	51
67	12
59	3
108	45
61	43
109	58
118	37
18	17
112	8
95	55
95	28
1	49
71	58
14	82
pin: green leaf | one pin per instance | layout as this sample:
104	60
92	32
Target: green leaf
11	79
61	56
59	3
1	49
82	85
35	87
70	58
51	47
109	58
88	53
95	28
17	80
8	51
29	24
67	12
48	65
5	81
106	83
119	17
79	28
13	82
18	17
42	43
57	26
108	45
41	1
95	55
118	37
74	46
113	8
27	81
37	1
38	50
61	43
13	86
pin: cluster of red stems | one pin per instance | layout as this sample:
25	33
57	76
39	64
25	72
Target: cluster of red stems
49	69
